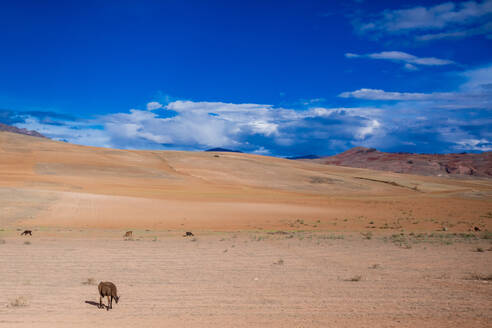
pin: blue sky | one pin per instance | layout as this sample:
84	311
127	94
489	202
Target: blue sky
280	78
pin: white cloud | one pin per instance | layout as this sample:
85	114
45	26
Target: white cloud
475	93
475	144
410	67
75	132
460	19
153	105
479	78
377	94
399	56
370	129
485	29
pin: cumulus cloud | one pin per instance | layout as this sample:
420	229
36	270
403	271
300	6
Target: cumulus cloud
153	105
455	20
458	120
399	56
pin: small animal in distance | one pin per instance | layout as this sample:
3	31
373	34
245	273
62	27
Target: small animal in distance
27	232
128	234
188	234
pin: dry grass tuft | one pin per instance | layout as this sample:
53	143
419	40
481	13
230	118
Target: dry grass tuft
355	278
481	277
20	301
89	281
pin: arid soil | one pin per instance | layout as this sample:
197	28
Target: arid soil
299	279
278	243
464	164
44	183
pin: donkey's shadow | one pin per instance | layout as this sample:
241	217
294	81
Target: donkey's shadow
94	303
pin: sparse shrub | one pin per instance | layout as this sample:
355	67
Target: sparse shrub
89	281
27	242
482	277
479	250
486	235
2	241
355	278
367	235
375	266
279	262
20	301
331	237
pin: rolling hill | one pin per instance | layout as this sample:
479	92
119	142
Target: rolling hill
49	183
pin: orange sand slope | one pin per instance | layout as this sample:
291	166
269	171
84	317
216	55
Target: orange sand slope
48	183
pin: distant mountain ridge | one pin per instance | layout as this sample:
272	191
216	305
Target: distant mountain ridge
13	129
311	156
225	150
464	164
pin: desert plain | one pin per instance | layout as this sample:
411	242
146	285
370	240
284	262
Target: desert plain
278	243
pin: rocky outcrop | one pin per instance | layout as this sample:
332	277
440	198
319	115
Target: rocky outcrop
13	129
464	164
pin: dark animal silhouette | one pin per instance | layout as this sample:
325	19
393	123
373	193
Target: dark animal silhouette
107	289
476	229
188	234
128	234
27	232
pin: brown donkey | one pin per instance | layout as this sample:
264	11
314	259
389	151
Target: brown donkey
107	289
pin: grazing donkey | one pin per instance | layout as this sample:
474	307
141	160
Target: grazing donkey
128	234
107	289
188	234
27	232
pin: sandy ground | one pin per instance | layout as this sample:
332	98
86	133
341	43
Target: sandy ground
243	280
